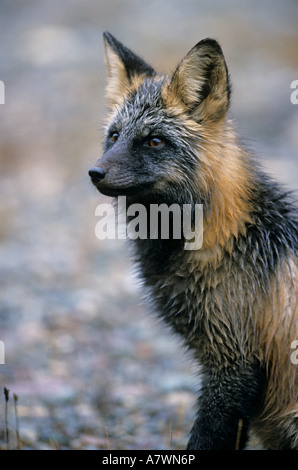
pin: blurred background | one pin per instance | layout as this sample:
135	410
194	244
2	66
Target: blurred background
91	368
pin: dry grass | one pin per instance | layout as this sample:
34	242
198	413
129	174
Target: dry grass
240	424
13	440
10	441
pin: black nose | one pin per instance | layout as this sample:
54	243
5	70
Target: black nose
96	174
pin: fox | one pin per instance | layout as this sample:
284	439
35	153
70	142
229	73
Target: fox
169	139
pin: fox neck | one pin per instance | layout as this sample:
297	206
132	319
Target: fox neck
224	186
227	181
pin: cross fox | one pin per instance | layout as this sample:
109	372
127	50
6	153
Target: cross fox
169	140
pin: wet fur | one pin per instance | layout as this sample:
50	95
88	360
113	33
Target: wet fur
235	301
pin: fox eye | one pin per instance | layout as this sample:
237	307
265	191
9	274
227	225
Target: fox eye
155	142
114	137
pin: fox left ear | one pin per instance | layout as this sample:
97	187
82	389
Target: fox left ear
201	82
126	70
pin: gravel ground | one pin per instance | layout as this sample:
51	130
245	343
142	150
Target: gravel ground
90	367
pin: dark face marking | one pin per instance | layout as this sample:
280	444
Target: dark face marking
145	147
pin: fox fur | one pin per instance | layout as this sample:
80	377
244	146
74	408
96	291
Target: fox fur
169	139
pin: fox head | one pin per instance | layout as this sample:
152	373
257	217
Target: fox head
152	133
167	137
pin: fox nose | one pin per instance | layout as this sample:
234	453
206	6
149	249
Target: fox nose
96	174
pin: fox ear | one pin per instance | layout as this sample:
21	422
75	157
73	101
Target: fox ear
201	82
125	69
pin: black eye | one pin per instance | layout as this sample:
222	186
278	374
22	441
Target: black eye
114	137
155	142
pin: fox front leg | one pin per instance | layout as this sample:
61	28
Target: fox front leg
228	400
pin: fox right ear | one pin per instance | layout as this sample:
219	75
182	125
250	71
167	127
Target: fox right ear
126	70
201	82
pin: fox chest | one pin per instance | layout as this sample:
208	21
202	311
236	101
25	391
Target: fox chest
190	305
202	308
202	301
